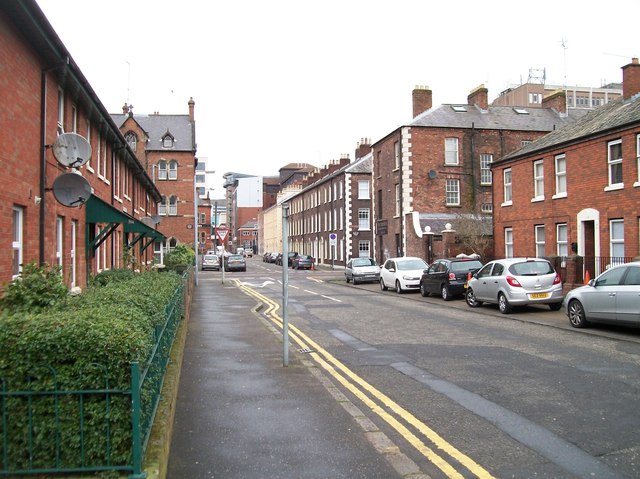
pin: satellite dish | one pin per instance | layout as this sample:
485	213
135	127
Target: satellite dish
71	189
71	150
433	174
148	221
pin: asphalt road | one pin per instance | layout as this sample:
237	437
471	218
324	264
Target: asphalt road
472	392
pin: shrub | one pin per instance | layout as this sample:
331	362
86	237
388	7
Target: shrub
181	255
36	289
112	275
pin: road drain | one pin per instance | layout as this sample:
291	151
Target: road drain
306	351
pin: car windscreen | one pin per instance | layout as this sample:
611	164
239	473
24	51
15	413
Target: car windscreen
210	257
531	268
459	266
411	264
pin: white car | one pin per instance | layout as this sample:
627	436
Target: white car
403	273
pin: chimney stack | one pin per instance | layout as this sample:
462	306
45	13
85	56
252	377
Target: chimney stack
191	114
631	79
363	148
556	100
422	99
479	97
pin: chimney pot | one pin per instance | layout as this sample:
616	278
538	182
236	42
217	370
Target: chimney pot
631	79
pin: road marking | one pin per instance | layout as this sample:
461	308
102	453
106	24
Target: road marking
360	388
311	292
332	299
264	283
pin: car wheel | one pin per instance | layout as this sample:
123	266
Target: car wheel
423	290
503	304
555	306
446	295
577	317
471	299
398	287
383	287
355	281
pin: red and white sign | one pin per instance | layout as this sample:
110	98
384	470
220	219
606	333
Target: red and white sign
222	233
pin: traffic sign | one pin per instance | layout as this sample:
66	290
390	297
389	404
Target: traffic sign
333	239
222	233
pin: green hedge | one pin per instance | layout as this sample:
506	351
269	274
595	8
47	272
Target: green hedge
86	342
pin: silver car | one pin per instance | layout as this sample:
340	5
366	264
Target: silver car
614	296
515	282
360	270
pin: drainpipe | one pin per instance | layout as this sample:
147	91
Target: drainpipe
43	162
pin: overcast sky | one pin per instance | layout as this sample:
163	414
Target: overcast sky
282	81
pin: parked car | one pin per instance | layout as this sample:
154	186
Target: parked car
235	262
248	253
292	254
266	257
614	296
448	277
360	270
515	282
277	258
210	261
302	261
403	273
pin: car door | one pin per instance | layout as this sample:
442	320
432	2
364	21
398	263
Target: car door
435	275
628	296
483	276
600	302
388	273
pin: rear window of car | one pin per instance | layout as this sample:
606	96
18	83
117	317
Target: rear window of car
458	266
236	257
531	268
211	257
364	262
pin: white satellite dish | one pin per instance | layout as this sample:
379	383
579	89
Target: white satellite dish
71	150
156	219
71	189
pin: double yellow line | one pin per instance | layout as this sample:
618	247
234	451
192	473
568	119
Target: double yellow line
365	392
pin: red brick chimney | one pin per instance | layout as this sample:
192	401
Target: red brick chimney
422	98
192	104
631	79
479	97
125	109
363	148
556	100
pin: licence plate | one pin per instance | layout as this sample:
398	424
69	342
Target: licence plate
539	295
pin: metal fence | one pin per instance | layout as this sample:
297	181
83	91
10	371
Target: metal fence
45	451
576	269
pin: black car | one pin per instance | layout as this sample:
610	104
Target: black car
448	277
292	255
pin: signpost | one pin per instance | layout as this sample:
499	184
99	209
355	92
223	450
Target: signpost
333	242
222	233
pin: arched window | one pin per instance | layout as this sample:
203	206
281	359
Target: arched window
173	205
167	141
132	140
173	170
162	170
171	244
162	206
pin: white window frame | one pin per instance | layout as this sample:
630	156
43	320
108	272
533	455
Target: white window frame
364	249
72	252
173	169
616	241
538	180
637	183
74	119
538	233
88	137
452	192
364	219
59	241
397	154
508	242
60	111
451	152
562	239
162	206
18	241
507	181
172	207
614	164
364	190
560	167
397	199
486	177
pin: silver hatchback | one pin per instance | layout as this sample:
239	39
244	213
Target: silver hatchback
515	282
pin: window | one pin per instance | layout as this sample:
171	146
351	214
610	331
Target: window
616	238
173	170
397	200
453	193
638	159
539	238
487	208
18	240
363	190
103	161
562	240
485	169
364	249
203	218
507	187
538	180
88	137
396	150
99	153
74	119
60	111
162	206
363	219
535	97
167	141
561	176
524	143
59	236
132	140
173	205
508	243
614	159
451	151
162	170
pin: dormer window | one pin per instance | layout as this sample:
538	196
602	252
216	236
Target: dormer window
132	140
167	141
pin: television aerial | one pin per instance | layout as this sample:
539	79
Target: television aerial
71	150
71	189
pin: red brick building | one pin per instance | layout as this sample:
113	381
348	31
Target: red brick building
435	173
166	146
43	94
575	193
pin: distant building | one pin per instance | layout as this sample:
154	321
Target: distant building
578	190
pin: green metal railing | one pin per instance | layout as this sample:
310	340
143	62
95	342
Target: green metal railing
43	408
